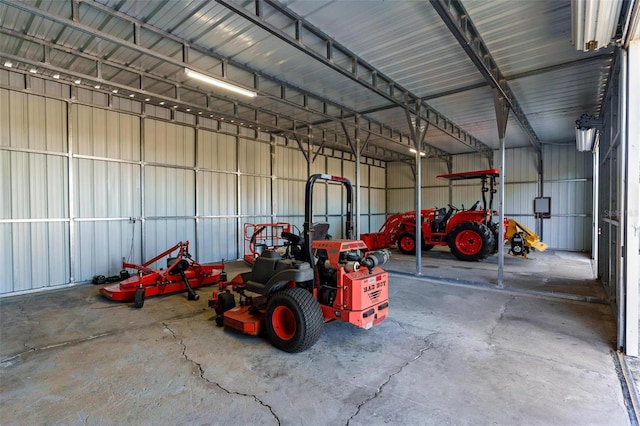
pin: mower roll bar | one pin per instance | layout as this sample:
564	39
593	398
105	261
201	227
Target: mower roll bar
308	208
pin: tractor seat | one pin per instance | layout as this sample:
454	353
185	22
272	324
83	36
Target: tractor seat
271	270
441	218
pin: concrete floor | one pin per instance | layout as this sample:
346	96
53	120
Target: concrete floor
447	354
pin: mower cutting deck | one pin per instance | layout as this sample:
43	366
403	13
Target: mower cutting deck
182	273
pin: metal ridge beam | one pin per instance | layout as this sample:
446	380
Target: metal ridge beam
404	99
456	18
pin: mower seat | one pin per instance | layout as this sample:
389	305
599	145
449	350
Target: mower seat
270	272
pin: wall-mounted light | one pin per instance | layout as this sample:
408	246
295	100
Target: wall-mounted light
593	22
220	83
587	128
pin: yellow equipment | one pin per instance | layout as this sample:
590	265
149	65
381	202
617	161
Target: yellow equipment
523	239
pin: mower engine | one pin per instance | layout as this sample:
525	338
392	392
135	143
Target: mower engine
351	287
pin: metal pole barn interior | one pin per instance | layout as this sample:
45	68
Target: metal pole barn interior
108	152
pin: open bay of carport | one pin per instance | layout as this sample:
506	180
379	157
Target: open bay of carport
446	354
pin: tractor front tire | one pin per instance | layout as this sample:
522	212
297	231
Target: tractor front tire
471	241
294	320
407	243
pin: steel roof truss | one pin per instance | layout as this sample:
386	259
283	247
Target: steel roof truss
396	94
455	17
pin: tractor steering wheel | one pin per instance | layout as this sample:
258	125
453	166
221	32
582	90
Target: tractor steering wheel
475	206
454	208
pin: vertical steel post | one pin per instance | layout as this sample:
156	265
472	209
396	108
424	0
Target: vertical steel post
416	135
501	203
502	115
71	191
356	149
595	217
631	227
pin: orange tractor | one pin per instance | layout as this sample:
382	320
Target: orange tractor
290	296
471	234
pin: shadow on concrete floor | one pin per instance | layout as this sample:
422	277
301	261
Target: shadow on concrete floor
445	355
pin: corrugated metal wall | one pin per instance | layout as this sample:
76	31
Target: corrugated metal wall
89	179
34	228
566	179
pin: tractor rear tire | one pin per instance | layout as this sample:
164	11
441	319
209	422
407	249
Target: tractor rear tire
294	320
407	243
471	241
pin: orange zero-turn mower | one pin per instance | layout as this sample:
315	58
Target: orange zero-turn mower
290	297
182	273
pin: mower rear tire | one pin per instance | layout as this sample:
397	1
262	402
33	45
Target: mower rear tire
407	243
294	320
471	241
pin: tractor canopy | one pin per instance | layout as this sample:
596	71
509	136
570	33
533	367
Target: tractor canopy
479	174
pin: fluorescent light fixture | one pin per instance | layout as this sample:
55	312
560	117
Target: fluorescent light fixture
114	91
33	71
587	127
593	23
220	83
132	95
413	151
77	81
8	64
56	76
147	99
97	86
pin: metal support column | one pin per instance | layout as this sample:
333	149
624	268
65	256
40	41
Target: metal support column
540	170
595	217
358	189
502	114
418	134
356	150
630	226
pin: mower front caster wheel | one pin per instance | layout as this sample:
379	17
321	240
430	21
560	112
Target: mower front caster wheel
193	296
219	320
138	299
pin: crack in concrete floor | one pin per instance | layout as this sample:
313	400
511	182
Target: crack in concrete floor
503	312
378	391
202	375
6	362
